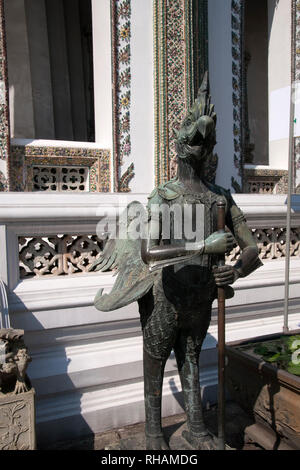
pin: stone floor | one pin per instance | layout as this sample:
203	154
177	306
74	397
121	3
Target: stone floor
132	437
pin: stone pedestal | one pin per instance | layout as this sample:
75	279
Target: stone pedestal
17	421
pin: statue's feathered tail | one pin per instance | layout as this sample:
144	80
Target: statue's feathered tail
122	253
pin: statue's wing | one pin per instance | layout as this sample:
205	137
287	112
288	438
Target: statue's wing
108	258
123	254
116	247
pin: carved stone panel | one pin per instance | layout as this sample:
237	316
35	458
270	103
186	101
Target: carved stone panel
266	181
60	169
64	178
57	254
17	421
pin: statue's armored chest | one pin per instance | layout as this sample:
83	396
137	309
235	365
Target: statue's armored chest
193	216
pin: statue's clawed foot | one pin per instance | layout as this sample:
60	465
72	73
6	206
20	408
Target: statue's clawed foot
156	443
203	441
20	387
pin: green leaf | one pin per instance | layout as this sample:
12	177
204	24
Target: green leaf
268	348
293	368
280	352
261	350
273	358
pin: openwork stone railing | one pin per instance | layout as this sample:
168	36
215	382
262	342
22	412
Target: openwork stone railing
272	244
56	255
74	254
55	234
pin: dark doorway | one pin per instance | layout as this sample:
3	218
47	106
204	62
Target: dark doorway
69	24
256	86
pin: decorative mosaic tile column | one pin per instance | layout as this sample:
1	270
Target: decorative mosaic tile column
296	78
180	60
4	107
174	59
121	55
238	92
173	75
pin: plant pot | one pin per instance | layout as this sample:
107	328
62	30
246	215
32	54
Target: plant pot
17	421
271	396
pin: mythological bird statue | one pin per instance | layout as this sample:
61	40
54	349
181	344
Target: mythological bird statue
175	278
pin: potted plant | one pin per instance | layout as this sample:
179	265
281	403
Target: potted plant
263	377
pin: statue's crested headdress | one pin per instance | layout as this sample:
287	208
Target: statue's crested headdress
206	108
199	125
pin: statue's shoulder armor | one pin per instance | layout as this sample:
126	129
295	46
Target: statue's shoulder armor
166	191
234	215
218	190
154	198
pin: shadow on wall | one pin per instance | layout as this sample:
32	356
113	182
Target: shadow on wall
48	373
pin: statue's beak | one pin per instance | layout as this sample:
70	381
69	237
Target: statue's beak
205	126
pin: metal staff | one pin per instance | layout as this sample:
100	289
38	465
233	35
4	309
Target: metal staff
221	337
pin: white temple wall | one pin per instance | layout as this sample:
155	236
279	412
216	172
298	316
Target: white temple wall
102	72
142	89
279	81
220	73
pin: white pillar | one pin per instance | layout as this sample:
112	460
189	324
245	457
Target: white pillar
279	81
102	72
142	99
220	77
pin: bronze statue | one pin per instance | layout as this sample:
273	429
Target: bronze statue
175	278
14	363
